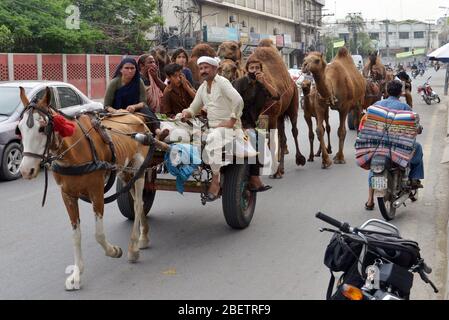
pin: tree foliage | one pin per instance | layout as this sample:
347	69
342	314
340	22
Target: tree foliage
106	26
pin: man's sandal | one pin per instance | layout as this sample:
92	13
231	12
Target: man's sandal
369	208
210	197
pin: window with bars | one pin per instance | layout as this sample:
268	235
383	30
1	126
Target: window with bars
404	35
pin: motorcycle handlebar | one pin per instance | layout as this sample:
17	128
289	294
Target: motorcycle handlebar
342	226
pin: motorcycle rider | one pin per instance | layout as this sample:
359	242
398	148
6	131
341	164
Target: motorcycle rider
394	89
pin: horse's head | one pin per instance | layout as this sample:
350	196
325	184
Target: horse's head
228	69
35	127
314	62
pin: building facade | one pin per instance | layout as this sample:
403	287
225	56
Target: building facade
393	37
293	25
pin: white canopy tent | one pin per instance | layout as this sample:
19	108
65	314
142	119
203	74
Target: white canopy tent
442	54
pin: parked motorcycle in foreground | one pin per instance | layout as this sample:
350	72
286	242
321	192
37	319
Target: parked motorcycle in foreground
427	93
377	264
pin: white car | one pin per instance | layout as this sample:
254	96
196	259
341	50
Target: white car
295	74
65	97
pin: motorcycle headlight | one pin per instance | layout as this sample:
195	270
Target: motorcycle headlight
377	168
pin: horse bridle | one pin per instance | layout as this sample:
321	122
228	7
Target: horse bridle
47	130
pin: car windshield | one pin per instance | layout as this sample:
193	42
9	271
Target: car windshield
10	100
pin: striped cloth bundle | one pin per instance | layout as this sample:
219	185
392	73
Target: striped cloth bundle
387	132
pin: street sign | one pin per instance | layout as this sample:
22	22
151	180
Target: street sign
339	44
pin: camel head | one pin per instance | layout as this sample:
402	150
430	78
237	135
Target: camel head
267	43
228	69
306	86
314	62
230	50
373	57
203	49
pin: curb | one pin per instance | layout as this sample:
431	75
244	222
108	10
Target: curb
445	155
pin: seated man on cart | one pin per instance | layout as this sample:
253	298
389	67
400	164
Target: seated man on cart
224	107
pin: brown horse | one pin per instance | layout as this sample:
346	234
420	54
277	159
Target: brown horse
287	107
40	139
341	87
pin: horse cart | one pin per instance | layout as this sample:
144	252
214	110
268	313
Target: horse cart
238	201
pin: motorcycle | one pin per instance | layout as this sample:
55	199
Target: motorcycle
391	184
377	264
415	73
427	93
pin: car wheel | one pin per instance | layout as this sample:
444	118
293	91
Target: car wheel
12	157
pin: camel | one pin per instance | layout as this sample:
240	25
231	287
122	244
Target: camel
288	105
201	49
162	58
228	69
341	87
310	105
374	68
231	50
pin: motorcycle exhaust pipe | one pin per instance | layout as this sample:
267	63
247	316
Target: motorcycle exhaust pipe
399	202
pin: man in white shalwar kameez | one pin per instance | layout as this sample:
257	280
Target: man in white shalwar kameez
224	107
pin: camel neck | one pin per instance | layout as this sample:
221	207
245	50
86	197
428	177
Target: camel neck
320	82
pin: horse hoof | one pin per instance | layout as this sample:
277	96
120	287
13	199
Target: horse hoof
118	252
143	244
329	150
133	256
73	282
310	159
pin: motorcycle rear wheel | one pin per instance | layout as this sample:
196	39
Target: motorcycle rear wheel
427	100
438	100
386	207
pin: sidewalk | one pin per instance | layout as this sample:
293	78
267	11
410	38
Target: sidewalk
444	162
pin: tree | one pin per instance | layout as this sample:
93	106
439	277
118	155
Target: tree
106	26
124	22
6	39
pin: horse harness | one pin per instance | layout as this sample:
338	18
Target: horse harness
94	165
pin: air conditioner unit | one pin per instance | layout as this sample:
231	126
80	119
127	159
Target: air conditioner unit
232	19
251	29
275	31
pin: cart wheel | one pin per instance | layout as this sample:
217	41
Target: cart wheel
125	201
238	202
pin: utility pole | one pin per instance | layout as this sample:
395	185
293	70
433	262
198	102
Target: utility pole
387	36
428	34
353	27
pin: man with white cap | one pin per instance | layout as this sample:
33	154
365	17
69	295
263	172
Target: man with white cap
224	107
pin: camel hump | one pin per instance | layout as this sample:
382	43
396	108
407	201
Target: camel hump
343	52
266	43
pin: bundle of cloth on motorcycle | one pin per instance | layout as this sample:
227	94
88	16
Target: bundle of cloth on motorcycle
387	132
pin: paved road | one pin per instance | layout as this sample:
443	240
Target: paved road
194	255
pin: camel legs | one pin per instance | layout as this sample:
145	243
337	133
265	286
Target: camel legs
320	115
328	131
73	282
282	144
300	159
308	119
339	157
408	98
